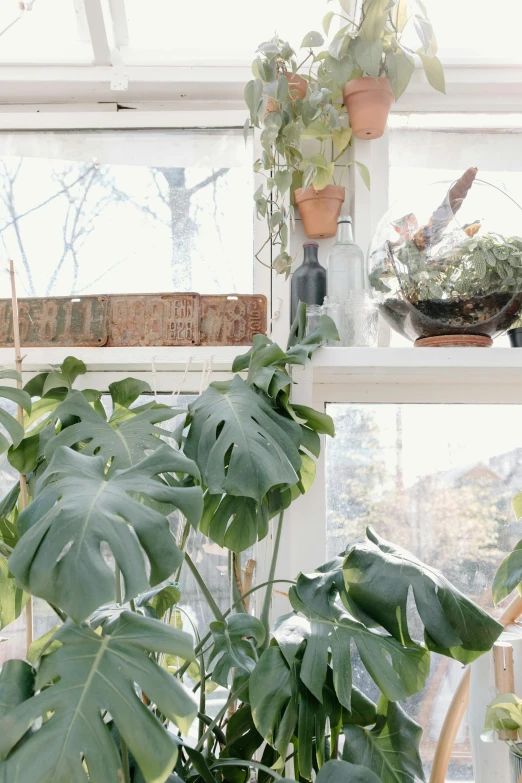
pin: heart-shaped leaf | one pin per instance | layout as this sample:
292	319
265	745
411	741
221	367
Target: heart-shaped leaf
337	771
88	675
235	641
78	506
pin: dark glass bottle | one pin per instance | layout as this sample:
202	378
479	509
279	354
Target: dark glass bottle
309	280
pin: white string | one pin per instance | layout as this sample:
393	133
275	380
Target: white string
209	371
179	387
154	387
203	375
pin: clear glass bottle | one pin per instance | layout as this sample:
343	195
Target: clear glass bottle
313	317
346	269
332	307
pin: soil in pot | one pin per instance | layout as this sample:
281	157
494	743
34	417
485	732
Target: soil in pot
320	209
476	315
368	102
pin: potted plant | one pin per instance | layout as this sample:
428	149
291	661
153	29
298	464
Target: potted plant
515	332
376	49
113	690
445	279
504	717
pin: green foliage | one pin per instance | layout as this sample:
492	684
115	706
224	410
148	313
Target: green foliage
105	687
57	562
503	714
77	682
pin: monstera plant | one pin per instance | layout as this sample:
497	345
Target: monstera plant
98	699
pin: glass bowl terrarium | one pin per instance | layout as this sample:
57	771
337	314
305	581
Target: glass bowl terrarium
449	270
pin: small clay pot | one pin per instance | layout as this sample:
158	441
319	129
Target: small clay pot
515	337
320	209
297	86
368	102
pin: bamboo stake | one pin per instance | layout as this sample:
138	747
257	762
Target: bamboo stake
20	415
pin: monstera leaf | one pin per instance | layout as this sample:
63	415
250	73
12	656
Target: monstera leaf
89	675
379	577
18	396
233	648
12	598
241	444
78	506
390	748
399	670
338	771
234	522
123	441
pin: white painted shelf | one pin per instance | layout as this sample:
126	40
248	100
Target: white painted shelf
398	365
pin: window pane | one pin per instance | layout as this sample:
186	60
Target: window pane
438	481
210	31
48	31
100	212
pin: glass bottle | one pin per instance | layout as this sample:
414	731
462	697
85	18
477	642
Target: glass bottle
313	318
346	272
333	308
309	280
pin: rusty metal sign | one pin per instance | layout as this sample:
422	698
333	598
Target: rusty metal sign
154	319
61	321
232	319
136	320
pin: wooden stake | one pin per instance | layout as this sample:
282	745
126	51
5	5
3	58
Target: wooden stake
20	415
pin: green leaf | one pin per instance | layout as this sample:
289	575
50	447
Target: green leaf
400	68
24	457
327	21
162	599
509	574
12	598
243	739
424	30
16	685
86	676
368	54
233	648
376	14
434	71
311	40
341	138
516	505
127	391
337	771
77	506
340	70
319	422
364	173
44	644
123	440
241	444
398	670
390	749
379	578
236	523
253	98
283	178
290	631
270	690
323	176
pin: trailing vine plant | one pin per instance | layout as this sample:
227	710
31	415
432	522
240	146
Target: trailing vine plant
95	700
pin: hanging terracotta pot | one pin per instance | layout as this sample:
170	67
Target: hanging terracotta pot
368	102
296	85
320	209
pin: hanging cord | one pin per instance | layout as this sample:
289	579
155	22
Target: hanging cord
154	385
179	387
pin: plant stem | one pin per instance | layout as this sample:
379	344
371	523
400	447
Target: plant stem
265	611
220	714
123	745
216	611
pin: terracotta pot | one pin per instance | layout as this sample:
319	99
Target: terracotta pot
320	209
368	102
297	86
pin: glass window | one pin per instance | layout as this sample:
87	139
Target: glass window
150	211
438	481
206	31
44	31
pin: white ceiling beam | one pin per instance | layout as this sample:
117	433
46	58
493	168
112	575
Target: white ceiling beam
119	23
97	32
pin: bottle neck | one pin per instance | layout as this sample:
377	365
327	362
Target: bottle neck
310	254
344	233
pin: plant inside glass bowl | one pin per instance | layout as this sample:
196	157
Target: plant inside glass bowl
443	277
